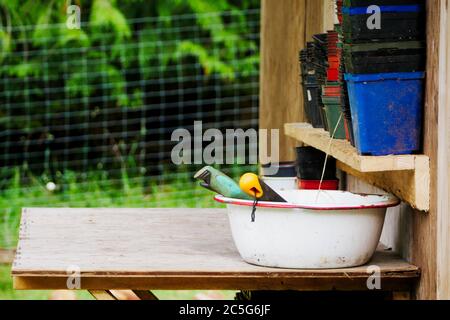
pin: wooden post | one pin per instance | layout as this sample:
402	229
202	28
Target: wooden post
284	31
323	12
443	157
424	227
282	37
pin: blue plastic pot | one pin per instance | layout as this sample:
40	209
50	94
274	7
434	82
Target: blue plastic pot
387	112
384	9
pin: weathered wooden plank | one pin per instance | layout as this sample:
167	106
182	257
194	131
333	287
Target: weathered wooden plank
285	28
320	17
343	151
424	240
397	282
143	249
443	157
282	37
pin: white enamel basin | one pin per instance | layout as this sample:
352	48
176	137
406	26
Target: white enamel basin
335	229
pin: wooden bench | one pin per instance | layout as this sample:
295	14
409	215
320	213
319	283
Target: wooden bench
164	249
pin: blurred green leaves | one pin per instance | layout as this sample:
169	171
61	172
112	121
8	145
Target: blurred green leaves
151	37
105	14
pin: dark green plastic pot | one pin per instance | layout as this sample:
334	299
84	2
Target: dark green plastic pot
333	113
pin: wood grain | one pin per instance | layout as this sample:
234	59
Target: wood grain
314	8
320	17
102	295
424	242
443	176
144	249
282	37
285	29
145	295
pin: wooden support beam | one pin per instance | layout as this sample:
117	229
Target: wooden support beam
401	295
282	37
424	227
102	295
443	157
285	28
324	14
145	295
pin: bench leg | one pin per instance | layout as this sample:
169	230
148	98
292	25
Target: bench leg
102	295
401	295
145	295
123	295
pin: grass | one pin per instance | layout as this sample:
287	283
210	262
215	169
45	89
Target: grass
94	189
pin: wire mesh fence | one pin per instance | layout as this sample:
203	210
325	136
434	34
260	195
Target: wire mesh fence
87	114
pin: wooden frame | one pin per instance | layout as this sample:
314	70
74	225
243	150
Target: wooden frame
283	33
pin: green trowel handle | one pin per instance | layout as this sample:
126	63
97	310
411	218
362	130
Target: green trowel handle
228	187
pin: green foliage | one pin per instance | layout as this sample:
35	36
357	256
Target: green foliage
120	44
56	82
29	26
105	14
210	63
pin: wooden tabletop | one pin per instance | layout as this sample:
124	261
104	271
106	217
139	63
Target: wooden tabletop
165	249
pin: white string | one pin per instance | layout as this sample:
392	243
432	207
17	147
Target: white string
326	156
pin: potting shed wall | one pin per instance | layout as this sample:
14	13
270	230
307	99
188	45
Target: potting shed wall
422	181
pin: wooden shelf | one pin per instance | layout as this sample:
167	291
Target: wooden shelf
406	176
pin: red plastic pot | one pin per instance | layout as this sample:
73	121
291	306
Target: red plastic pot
347	130
315	184
332	74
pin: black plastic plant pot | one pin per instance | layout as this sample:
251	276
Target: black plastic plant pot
375	46
313	105
394	26
323	116
364	62
310	163
366	3
285	170
386	53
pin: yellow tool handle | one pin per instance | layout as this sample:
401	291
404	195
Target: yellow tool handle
251	185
